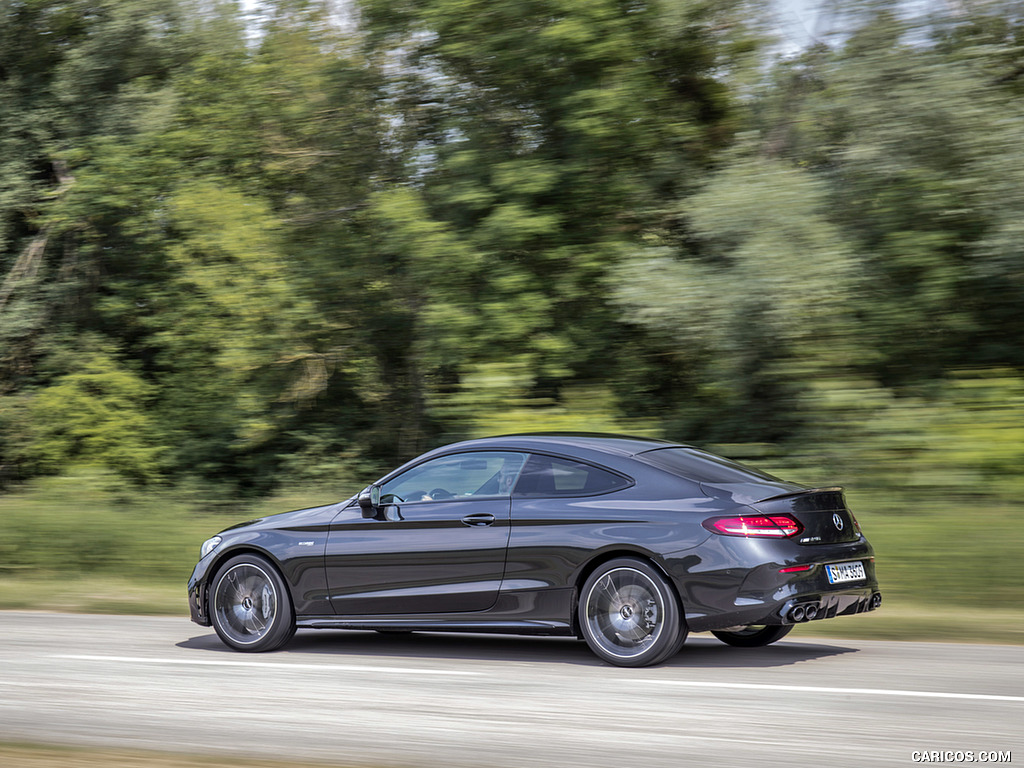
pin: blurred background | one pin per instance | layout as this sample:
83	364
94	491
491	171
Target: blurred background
252	255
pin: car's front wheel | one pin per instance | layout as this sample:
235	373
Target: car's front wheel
629	614
753	636
250	607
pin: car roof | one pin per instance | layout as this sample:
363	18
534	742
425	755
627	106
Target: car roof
617	445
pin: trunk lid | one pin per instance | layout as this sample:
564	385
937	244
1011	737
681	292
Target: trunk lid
821	511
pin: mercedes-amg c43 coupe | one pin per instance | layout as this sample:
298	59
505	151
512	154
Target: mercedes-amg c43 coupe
627	543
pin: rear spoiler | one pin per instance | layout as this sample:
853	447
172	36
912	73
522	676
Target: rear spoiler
756	493
805	492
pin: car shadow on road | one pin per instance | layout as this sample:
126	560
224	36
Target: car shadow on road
700	651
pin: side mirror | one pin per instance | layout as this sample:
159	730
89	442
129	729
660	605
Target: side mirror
369	500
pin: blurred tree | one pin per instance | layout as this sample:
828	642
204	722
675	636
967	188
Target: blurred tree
916	130
69	72
159	116
758	305
867	226
541	140
284	243
95	414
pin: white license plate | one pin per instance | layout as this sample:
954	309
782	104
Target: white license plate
845	572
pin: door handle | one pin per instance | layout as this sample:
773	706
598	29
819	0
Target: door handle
478	518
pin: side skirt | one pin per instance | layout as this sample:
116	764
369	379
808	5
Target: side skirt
437	624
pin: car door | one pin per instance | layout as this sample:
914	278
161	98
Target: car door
436	545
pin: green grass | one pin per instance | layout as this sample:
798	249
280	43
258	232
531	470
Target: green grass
92	594
899	620
87	525
945	551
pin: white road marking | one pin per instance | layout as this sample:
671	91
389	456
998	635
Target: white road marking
268	664
845	691
464	673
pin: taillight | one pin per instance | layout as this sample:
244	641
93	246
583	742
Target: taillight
757	526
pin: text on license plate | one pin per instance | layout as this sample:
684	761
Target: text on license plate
845	572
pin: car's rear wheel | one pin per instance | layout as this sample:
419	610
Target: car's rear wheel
754	635
629	614
250	607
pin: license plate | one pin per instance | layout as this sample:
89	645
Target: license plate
845	572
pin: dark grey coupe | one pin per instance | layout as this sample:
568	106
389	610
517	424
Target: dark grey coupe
628	543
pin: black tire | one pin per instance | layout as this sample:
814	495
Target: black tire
629	615
754	636
250	606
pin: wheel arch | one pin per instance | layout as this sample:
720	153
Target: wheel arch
244	549
591	565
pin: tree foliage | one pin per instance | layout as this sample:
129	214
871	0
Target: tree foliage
252	250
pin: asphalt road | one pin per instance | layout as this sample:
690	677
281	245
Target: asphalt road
360	698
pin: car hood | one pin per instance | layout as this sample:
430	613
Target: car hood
296	517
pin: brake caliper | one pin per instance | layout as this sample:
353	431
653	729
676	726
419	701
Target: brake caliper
651	614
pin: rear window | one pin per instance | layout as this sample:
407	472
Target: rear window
703	467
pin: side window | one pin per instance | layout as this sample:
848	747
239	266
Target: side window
548	476
462	475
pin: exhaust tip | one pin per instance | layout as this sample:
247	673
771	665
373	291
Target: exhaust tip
810	612
876	600
798	614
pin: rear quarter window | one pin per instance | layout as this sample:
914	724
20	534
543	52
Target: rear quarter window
551	476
